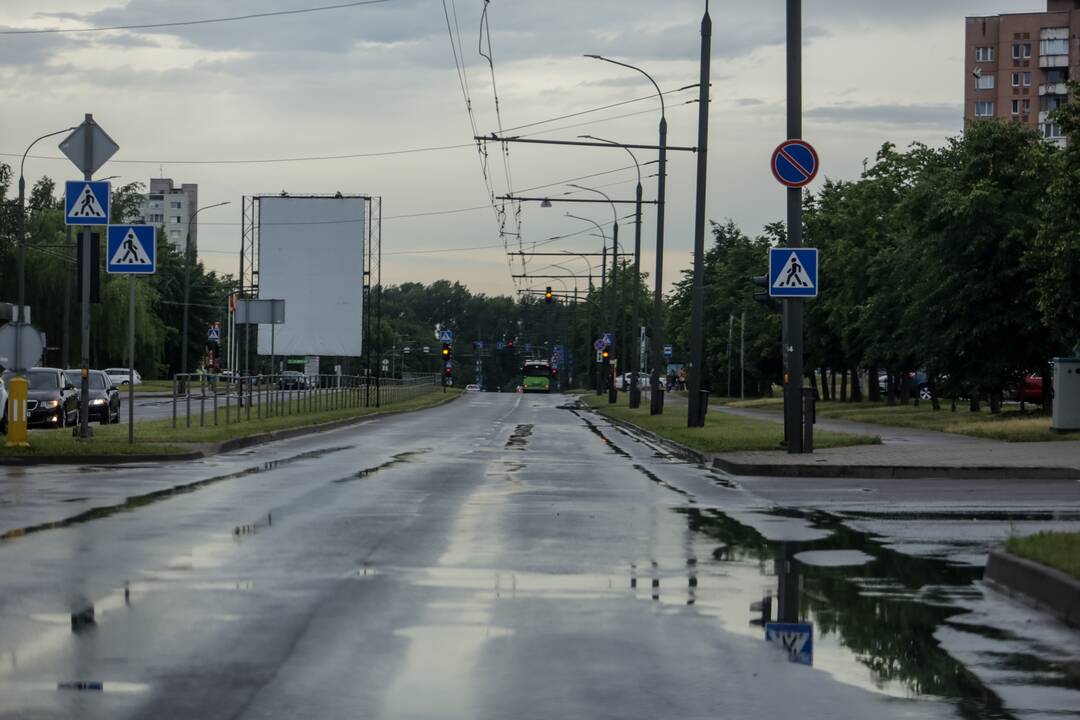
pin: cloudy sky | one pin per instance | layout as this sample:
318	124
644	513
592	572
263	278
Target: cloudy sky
382	78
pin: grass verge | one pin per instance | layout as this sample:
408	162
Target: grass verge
722	432
1010	425
1057	550
159	438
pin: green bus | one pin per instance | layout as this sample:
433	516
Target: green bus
536	376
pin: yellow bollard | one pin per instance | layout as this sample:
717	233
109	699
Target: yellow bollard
18	390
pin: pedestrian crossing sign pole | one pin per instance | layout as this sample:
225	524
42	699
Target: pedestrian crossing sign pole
132	250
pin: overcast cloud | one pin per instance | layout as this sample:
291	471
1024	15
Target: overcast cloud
380	78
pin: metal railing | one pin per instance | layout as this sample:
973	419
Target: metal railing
227	399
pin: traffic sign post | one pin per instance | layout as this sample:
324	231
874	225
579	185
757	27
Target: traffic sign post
132	250
446	336
668	352
86	203
793	272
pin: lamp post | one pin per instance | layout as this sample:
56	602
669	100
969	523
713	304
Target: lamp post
20	316
612	389
635	361
603	283
656	350
187	285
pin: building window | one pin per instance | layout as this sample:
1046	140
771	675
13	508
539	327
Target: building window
984	109
984	54
1057	75
1049	103
1016	79
1052	131
175	219
175	204
1027	79
1015	107
984	82
1026	104
1016	51
1027	50
1054	47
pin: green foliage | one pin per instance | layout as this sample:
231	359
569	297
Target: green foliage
1058	550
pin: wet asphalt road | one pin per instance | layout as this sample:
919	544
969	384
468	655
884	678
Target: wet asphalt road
504	557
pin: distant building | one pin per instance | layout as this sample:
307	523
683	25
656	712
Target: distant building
170	206
1016	66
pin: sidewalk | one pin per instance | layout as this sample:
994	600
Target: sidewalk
905	453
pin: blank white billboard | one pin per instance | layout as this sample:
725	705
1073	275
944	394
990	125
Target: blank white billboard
311	255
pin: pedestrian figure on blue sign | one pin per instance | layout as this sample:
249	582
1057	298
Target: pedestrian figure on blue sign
794	274
87	202
130	254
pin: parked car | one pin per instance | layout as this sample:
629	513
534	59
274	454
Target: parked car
51	400
104	395
3	407
120	376
919	384
1030	389
643	380
472	387
292	380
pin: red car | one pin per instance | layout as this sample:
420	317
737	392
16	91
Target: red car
1030	390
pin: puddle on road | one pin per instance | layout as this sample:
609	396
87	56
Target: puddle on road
519	439
398	459
898	624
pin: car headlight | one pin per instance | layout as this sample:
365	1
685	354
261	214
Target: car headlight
97	402
50	404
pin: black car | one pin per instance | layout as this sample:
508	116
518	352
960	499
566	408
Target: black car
292	380
104	395
52	400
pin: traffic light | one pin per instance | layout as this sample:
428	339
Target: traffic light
448	372
548	295
605	355
762	281
446	351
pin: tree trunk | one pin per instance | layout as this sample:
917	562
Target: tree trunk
931	385
813	382
825	395
890	388
856	386
905	389
872	385
974	403
1047	379
843	385
832	383
995	402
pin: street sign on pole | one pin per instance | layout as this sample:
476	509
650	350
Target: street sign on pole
446	336
86	203
796	638
31	345
132	250
599	345
102	147
668	352
213	333
793	272
609	338
795	163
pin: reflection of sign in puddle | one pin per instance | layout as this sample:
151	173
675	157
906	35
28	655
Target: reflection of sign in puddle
834	558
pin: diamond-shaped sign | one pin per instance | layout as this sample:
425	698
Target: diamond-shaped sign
74	146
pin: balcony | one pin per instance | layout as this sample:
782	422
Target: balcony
1053	89
1053	61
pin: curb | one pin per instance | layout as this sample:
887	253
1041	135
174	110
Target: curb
898	472
210	448
1042	587
686	453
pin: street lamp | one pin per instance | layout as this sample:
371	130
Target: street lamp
20	316
187	284
603	283
613	390
635	361
656	403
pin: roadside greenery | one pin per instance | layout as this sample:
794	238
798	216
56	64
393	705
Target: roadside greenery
1058	550
722	432
158	437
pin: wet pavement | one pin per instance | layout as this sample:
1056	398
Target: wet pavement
508	556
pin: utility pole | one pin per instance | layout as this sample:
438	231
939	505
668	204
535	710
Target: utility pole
793	308
84	396
730	331
742	357
695	411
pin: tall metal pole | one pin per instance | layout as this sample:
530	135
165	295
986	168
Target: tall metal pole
184	341
695	416
730	331
84	401
613	387
792	330
635	366
131	360
742	357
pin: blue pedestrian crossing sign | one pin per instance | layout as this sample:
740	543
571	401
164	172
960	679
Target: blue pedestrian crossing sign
796	638
132	250
446	336
793	272
86	203
213	333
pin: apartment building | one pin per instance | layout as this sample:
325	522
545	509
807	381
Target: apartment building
171	207
1016	65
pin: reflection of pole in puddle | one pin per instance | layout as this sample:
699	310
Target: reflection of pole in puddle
691	580
633	576
655	581
789	582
